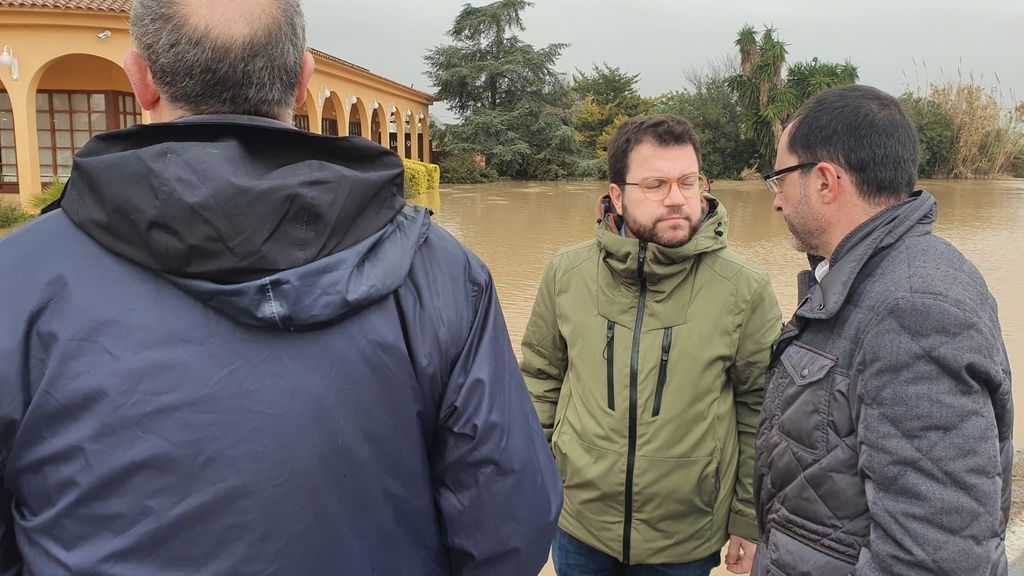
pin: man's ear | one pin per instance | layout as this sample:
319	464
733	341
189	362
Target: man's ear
308	66
139	76
827	180
616	195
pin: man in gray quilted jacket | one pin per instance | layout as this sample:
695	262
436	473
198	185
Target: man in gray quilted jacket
885	439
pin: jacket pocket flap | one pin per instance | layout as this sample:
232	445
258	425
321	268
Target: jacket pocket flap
805	364
795	556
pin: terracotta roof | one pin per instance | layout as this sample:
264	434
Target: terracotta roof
92	5
348	64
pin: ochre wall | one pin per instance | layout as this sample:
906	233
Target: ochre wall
59	50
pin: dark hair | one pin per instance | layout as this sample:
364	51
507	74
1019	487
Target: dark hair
202	72
867	133
661	129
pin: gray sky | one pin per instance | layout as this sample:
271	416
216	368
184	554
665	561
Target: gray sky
897	44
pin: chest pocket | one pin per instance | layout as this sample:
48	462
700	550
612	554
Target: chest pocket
804	391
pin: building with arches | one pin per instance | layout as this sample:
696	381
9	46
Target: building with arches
62	81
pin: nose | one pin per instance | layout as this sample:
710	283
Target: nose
777	202
675	195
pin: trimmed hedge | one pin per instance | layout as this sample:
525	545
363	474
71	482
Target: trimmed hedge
421	178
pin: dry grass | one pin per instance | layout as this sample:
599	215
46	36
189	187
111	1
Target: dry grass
986	136
750	173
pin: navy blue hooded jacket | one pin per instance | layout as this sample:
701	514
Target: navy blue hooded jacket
236	350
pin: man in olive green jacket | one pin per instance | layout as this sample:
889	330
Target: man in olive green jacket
645	355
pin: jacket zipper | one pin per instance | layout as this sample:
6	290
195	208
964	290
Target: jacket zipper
666	347
609	354
633	373
845	558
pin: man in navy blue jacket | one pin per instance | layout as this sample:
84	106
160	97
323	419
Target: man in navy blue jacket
235	350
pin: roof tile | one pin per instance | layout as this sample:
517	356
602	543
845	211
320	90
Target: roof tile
96	5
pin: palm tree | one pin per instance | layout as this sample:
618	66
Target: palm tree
763	96
746	41
766	98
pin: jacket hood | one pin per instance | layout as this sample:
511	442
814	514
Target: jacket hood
230	199
622	253
268	224
324	291
912	217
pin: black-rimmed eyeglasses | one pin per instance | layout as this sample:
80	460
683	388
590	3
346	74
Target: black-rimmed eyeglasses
773	180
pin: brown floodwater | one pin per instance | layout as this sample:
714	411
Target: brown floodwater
515	227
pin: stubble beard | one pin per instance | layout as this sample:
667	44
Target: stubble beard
806	228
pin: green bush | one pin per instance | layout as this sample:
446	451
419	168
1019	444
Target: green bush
936	133
715	113
12	215
550	172
463	170
594	168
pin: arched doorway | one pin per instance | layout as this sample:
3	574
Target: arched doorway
8	151
377	124
419	138
393	129
355	121
300	116
329	123
408	134
358	118
79	96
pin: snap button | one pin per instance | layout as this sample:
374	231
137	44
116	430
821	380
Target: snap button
821	307
804	373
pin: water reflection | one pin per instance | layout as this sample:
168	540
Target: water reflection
515	227
431	200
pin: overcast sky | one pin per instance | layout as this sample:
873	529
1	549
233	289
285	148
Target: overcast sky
897	44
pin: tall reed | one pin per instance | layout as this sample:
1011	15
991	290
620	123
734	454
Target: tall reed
965	130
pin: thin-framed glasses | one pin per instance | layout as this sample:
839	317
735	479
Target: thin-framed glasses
773	180
657	188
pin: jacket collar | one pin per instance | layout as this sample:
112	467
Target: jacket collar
912	217
621	254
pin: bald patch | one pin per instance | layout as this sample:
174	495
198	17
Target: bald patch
230	20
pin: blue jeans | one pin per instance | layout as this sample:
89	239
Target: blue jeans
574	558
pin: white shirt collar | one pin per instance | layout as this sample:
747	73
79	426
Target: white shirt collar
821	270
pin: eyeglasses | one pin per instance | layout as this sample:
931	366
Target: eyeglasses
773	180
657	188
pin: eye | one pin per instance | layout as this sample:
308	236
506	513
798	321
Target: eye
689	182
653	183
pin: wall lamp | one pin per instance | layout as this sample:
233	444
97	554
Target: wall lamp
7	58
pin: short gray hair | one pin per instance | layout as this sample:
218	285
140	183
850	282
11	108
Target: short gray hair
201	72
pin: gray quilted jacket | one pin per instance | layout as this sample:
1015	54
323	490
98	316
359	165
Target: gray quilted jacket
885	440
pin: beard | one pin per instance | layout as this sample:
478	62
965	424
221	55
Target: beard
806	227
679	233
799	240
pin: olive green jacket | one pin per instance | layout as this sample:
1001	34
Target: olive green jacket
646	368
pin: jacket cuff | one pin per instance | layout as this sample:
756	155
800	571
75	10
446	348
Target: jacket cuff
743	527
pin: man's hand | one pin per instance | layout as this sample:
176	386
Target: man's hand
740	557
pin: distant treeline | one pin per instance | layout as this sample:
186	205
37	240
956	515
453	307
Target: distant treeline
519	117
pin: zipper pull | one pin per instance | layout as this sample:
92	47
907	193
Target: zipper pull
609	334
